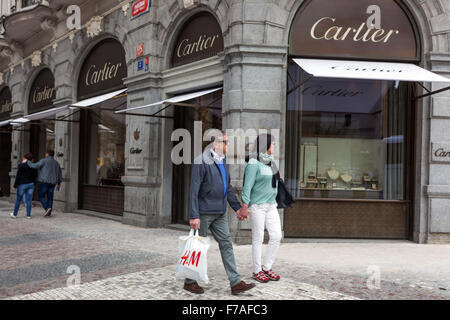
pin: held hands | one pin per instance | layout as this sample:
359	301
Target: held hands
243	212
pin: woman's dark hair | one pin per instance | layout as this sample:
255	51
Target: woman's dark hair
263	143
28	156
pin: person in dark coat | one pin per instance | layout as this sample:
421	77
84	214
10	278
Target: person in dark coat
24	184
210	192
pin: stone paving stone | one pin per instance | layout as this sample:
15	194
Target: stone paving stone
124	262
160	284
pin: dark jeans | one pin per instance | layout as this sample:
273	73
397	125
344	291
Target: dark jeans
46	189
218	224
27	191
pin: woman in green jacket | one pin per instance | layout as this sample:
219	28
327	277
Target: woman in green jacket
259	195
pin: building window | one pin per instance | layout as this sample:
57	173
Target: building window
104	161
346	138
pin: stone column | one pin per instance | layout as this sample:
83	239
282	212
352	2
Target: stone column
435	203
253	99
17	86
143	160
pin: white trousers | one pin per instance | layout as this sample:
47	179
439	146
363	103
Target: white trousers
261	215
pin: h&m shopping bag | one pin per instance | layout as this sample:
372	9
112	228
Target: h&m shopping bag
192	261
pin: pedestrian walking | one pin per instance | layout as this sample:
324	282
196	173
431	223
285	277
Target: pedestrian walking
50	176
259	194
209	193
24	183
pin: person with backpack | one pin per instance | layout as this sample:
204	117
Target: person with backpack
259	195
24	184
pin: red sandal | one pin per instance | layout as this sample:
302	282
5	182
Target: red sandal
271	275
260	276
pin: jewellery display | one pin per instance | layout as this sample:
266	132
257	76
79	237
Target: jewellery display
333	174
334	164
312	182
322	182
347	178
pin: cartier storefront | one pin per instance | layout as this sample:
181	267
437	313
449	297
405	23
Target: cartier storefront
102	132
350	119
40	98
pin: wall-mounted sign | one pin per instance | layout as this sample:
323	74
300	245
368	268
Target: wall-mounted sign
5	104
136	134
200	38
366	29
140	7
103	70
440	152
140	50
140	65
135	151
42	92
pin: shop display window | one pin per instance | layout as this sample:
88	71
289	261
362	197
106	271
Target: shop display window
346	138
104	163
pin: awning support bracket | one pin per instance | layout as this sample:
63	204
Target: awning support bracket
145	115
298	85
432	93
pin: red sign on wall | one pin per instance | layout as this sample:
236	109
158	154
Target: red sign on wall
139	8
140	50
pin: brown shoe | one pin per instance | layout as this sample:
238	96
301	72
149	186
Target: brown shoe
241	287
194	288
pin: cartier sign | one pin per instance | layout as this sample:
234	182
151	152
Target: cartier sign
42	92
201	37
367	29
103	70
440	152
5	103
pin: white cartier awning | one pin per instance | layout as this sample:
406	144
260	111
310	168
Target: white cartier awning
98	99
4	123
46	114
173	100
368	70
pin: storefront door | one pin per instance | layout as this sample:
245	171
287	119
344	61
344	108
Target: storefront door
42	139
102	158
5	162
208	111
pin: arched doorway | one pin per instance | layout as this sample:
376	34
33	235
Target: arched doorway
42	132
199	38
102	132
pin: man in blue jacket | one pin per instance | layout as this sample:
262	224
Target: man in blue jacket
49	176
209	193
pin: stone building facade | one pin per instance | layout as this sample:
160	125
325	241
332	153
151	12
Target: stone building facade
252	69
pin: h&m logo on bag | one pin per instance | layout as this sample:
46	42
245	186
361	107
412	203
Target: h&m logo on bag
190	258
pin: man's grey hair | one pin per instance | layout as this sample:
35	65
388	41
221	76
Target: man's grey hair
219	133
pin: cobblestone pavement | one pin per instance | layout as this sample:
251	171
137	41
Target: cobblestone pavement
117	261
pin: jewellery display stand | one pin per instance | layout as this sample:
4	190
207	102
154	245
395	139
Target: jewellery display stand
347	178
339	164
333	174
